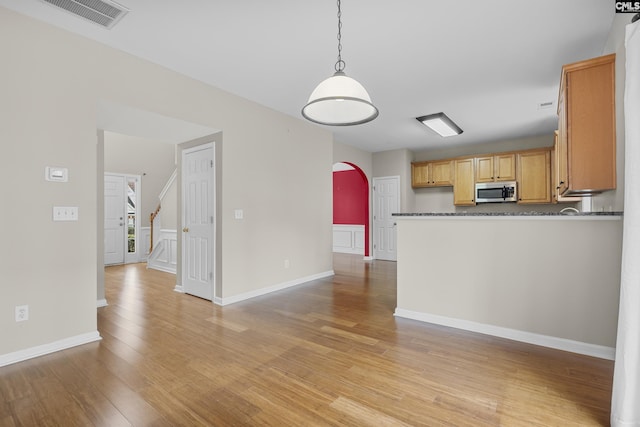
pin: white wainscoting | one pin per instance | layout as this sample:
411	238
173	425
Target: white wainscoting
348	238
164	256
144	240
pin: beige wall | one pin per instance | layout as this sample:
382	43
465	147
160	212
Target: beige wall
552	277
153	160
100	294
52	81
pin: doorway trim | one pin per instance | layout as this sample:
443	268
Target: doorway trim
210	227
215	140
122	118
366	220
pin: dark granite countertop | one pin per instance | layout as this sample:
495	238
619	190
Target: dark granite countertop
569	214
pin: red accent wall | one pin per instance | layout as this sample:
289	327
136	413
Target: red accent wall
351	201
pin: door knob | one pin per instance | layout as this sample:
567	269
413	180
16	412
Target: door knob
121	224
185	230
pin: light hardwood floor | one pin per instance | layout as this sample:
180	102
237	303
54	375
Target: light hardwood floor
329	352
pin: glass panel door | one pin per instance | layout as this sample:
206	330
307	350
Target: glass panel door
131	214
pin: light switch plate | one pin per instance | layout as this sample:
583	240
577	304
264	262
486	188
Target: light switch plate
56	174
65	213
238	214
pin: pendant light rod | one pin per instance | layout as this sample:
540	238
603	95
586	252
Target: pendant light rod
339	100
340	64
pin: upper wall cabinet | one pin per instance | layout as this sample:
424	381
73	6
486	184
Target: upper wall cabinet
499	167
558	169
586	127
464	188
534	177
432	174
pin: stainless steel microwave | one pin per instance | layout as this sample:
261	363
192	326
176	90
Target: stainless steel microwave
496	192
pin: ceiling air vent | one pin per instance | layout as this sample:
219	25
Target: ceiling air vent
102	12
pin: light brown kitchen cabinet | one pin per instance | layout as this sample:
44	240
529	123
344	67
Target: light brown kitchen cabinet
420	174
534	177
464	185
499	167
442	172
558	170
586	127
432	173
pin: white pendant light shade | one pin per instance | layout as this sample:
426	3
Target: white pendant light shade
340	101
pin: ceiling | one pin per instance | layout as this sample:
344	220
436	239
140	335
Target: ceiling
488	64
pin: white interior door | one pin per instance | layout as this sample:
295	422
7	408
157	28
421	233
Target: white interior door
114	219
198	219
386	200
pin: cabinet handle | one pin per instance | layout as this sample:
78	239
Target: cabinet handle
561	182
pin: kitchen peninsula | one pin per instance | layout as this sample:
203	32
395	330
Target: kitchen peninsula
546	278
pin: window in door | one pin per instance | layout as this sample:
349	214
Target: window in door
131	214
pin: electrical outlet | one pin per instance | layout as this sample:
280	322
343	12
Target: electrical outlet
22	313
287	264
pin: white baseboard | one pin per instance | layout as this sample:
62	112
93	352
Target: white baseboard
166	269
586	349
368	258
102	303
268	290
41	350
179	289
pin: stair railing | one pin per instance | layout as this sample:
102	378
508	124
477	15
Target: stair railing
153	216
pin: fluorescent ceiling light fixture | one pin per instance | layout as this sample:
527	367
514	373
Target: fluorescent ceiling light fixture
339	100
441	124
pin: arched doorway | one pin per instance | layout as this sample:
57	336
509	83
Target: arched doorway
350	209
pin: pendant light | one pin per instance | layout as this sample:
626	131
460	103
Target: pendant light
339	100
